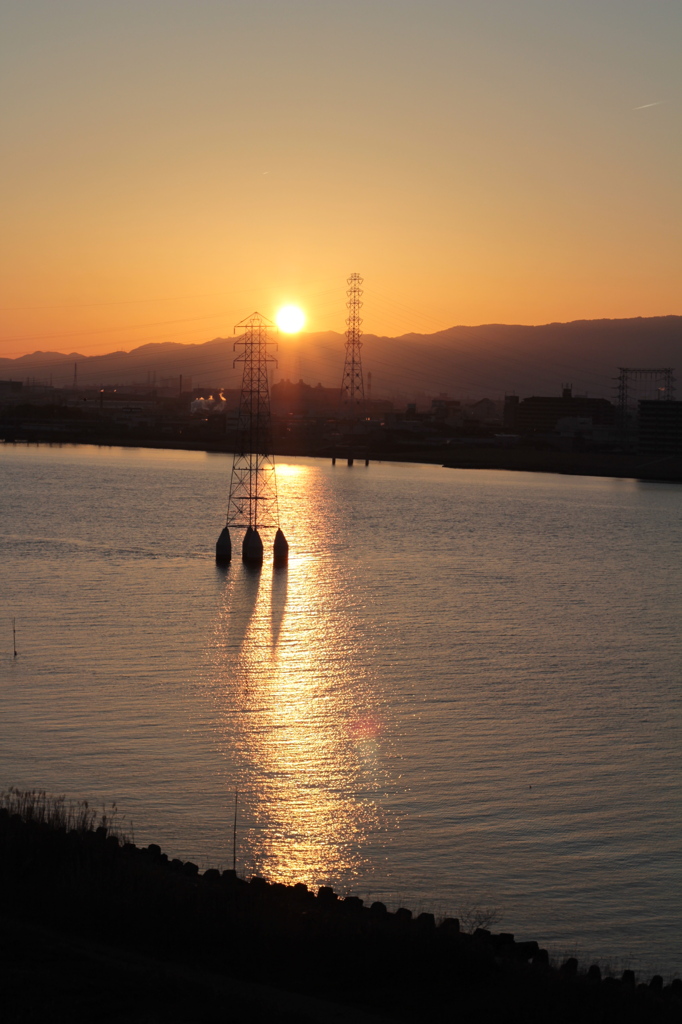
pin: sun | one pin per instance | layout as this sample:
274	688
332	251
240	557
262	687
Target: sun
290	319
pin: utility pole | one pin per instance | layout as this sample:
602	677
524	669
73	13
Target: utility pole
252	501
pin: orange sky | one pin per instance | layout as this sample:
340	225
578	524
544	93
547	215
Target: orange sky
168	167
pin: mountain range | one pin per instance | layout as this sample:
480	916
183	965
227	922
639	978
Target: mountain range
464	362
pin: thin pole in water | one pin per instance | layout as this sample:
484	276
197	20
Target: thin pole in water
14	636
234	832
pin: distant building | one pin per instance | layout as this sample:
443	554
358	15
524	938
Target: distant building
510	412
288	398
485	410
11	393
574	426
540	415
660	426
447	410
300	399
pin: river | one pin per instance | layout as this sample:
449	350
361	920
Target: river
462	695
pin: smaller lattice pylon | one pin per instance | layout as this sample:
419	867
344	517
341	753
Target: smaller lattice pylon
352	385
662	378
252	501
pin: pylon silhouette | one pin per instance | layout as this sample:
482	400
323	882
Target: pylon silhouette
252	501
352	384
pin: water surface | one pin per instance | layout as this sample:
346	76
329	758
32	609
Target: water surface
464	690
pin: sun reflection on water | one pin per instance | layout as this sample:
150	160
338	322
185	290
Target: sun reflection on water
298	721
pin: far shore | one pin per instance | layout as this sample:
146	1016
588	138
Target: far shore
525	459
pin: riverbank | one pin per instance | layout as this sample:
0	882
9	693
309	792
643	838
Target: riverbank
95	926
624	465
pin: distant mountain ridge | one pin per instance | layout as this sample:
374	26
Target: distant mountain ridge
487	360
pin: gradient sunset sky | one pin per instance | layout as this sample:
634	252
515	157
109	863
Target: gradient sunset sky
170	166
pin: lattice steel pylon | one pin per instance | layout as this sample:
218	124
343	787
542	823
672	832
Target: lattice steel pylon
352	385
252	501
659	378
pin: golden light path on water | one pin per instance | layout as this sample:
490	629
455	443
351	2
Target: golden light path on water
296	716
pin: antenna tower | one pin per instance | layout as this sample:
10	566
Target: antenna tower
352	385
252	501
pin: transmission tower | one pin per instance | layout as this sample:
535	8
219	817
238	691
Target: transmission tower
659	378
252	501
352	385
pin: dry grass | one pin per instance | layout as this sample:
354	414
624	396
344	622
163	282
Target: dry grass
476	915
40	806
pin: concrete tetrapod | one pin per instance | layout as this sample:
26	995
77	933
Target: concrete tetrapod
252	547
223	548
281	549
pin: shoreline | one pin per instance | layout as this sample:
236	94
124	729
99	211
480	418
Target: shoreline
103	908
615	465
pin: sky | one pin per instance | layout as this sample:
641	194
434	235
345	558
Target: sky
168	167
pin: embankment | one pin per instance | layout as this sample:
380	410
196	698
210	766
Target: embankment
94	928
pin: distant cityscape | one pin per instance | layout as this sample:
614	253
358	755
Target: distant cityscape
306	418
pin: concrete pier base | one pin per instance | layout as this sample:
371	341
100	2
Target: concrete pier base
252	547
281	549
223	548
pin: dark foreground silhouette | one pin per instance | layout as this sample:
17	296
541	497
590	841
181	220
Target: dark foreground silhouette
97	930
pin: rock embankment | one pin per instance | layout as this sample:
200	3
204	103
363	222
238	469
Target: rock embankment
395	965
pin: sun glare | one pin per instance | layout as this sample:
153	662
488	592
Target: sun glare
290	319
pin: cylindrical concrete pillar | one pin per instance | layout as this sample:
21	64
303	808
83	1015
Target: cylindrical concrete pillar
252	547
281	549
223	548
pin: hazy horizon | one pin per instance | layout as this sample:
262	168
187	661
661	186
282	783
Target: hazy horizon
321	333
483	361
